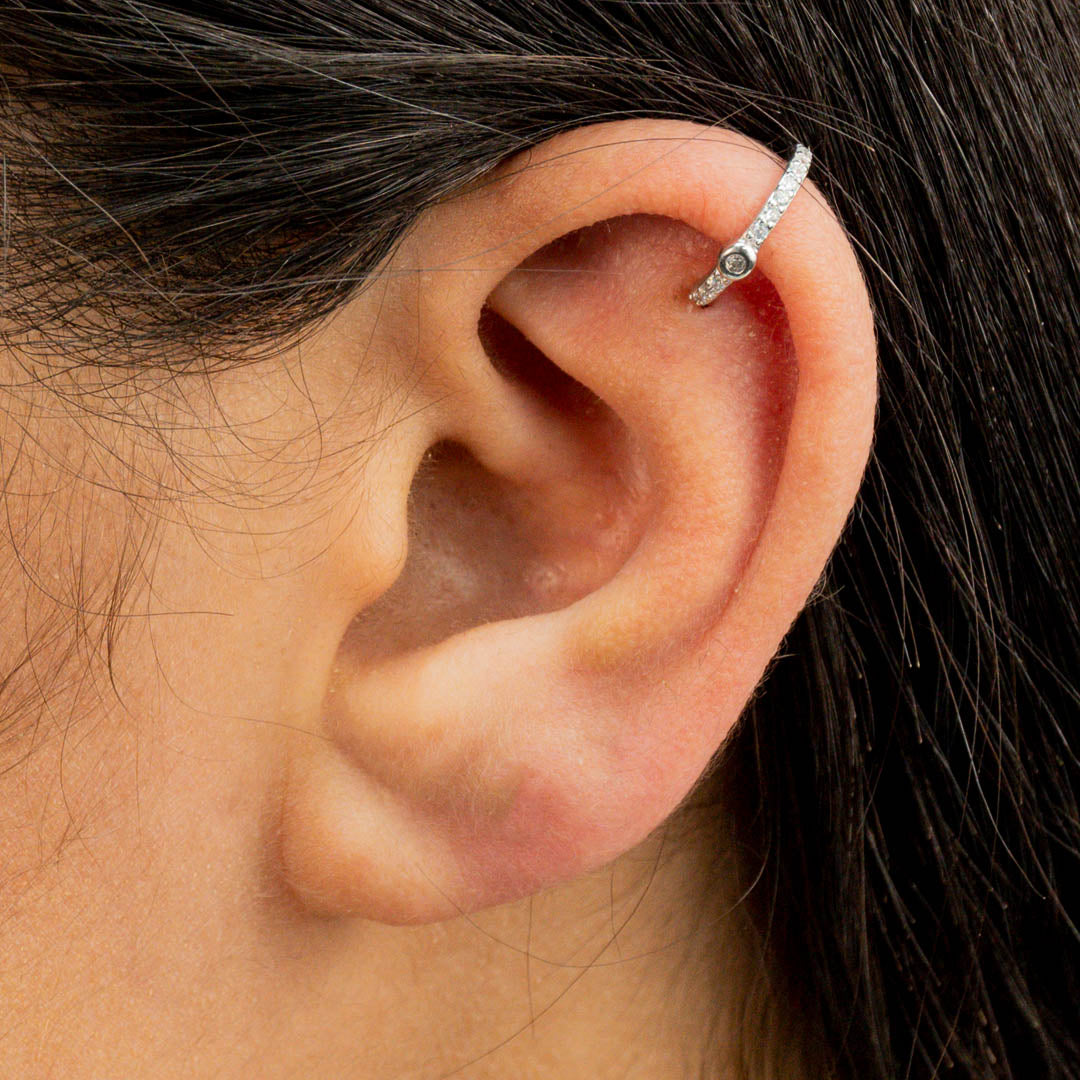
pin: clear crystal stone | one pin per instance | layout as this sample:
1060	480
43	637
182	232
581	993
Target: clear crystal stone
735	263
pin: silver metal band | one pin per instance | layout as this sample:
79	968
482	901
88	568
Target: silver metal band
737	260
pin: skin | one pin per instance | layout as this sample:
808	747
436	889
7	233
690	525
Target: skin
383	784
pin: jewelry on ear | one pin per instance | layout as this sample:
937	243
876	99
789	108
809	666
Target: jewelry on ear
737	260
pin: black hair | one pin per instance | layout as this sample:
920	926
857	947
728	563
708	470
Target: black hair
179	178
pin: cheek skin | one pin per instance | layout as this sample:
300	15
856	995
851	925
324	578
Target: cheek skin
141	918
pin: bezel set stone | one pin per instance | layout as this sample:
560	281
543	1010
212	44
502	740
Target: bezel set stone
751	240
737	260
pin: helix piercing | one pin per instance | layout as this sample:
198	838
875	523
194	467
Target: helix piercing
738	259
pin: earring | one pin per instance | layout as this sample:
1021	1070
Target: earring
737	260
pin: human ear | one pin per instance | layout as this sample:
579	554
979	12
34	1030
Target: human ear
629	501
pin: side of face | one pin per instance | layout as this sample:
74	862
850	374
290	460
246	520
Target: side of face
447	604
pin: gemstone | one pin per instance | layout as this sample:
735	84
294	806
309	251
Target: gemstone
771	215
735	264
710	289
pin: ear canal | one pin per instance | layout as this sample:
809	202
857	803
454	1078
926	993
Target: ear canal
491	540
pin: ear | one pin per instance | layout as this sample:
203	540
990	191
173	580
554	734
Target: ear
628	503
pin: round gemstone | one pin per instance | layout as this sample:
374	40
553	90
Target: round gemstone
735	264
772	215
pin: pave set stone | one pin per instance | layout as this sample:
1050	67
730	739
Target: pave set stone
759	228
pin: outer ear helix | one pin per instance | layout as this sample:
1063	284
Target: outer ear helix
737	260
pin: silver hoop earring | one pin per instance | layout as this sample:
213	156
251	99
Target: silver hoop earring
737	260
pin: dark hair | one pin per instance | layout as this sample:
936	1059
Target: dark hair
904	787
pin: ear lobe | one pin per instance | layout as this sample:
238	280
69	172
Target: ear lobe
681	474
